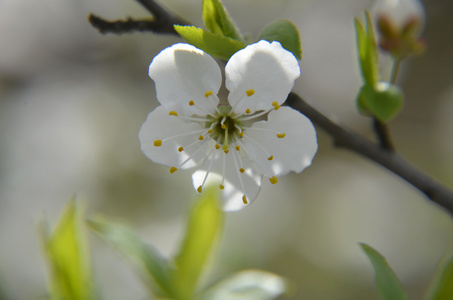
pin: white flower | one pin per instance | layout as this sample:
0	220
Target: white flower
232	144
400	11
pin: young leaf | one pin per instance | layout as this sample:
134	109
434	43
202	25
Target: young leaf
217	20
203	230
285	32
247	285
443	284
216	45
367	51
68	256
151	265
384	101
388	284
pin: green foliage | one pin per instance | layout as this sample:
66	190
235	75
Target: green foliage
203	230
68	257
388	284
285	32
442	288
216	45
367	50
153	268
247	285
217	20
383	100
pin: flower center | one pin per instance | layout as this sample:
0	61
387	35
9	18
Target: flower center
225	128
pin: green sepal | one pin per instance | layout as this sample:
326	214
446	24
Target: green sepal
442	286
388	284
367	51
285	32
152	267
217	20
383	101
216	45
203	231
68	257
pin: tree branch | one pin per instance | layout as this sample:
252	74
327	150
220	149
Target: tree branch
162	22
390	160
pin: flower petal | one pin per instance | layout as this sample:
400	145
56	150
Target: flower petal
292	151
173	133
183	73
259	75
236	183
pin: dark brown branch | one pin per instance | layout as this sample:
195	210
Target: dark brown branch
390	160
383	135
162	21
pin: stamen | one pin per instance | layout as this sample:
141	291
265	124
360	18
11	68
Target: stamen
191	103
223	126
173	170
221	187
193	154
201	137
207	94
226	151
244	199
173	113
217	146
247	111
210	130
273	180
211	161
281	135
241	170
157	143
256	115
236	167
180	149
199	189
238	148
275	105
270	157
250	92
241	134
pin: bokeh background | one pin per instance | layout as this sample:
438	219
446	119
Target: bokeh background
72	102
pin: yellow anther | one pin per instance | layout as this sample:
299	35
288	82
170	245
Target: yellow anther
217	146
225	147
157	143
276	105
244	199
210	130
207	94
226	151
201	137
199	189
191	102
223	126
247	111
250	92
281	135
238	148
180	149
221	187
241	134
241	170
173	113
273	180
173	170
270	157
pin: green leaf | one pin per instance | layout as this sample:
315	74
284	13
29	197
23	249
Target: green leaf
203	230
68	256
388	284
367	51
442	288
217	20
384	101
247	285
152	267
216	45
285	32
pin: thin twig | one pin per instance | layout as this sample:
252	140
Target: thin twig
346	139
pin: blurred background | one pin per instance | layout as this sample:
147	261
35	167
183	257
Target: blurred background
72	102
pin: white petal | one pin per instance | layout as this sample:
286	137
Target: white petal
161	126
265	68
221	164
294	152
183	73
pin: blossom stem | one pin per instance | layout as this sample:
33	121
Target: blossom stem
346	139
